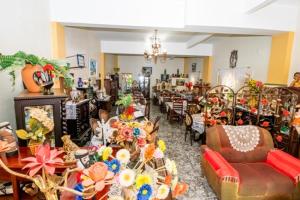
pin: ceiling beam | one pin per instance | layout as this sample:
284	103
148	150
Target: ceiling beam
258	5
193	41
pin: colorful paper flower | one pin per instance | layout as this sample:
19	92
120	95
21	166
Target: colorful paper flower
279	138
78	187
144	192
96	174
259	84
223	114
123	156
285	113
264	101
168	180
142	179
44	158
171	166
113	165
161	145
158	153
136	132
240	122
215	100
253	110
127	133
126	177
243	101
163	191
106	153
149	152
141	142
265	124
180	189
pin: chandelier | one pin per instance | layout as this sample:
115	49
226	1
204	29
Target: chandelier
156	51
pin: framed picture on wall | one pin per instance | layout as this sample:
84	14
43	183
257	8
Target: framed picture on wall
93	67
147	71
194	67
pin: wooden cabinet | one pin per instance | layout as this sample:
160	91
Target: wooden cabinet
79	128
53	105
111	87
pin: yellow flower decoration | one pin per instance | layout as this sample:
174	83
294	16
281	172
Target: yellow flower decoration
106	153
161	145
142	179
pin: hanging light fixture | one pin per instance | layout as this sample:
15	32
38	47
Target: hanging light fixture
156	51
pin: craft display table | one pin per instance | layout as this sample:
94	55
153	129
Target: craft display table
15	163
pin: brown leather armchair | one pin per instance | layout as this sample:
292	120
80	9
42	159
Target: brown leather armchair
262	173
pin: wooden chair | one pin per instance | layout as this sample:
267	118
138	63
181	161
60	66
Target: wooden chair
177	111
156	121
188	127
147	110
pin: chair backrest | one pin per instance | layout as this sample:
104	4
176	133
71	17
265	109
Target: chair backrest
188	119
147	110
217	140
178	106
156	121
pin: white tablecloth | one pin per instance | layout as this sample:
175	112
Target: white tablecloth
198	123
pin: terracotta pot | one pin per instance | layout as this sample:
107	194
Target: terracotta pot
27	76
33	146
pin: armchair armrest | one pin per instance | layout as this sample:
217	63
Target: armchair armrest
285	163
222	168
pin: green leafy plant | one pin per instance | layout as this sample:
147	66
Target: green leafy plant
125	101
19	59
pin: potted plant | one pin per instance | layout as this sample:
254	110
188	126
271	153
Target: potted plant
32	64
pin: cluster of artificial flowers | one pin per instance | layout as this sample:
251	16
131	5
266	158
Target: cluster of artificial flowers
141	180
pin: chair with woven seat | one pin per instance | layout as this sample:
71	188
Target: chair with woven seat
242	164
188	127
176	112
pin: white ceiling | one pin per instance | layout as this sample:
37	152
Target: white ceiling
288	2
137	35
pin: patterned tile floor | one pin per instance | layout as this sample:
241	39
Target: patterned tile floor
186	156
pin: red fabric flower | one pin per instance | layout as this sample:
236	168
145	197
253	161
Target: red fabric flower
279	138
129	110
44	158
265	124
259	84
243	101
240	122
285	113
215	100
264	101
38	74
223	114
48	67
212	122
253	110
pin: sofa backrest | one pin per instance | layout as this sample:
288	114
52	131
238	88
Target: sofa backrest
217	140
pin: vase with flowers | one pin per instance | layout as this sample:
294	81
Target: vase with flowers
39	126
127	109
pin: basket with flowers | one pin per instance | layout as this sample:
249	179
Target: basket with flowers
255	86
39	125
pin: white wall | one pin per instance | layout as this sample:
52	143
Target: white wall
25	25
134	64
79	41
252	51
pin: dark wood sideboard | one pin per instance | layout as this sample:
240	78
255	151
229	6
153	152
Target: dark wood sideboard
26	99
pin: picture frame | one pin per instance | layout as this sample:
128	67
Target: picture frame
93	67
147	71
76	61
194	67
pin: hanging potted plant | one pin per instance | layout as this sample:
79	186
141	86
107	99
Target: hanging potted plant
32	64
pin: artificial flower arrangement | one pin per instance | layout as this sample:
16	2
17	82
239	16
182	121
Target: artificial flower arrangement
126	102
39	125
255	86
41	171
133	135
189	85
45	78
150	177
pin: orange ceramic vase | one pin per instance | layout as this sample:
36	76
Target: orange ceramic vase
27	76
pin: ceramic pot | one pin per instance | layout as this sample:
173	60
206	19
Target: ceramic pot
27	77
